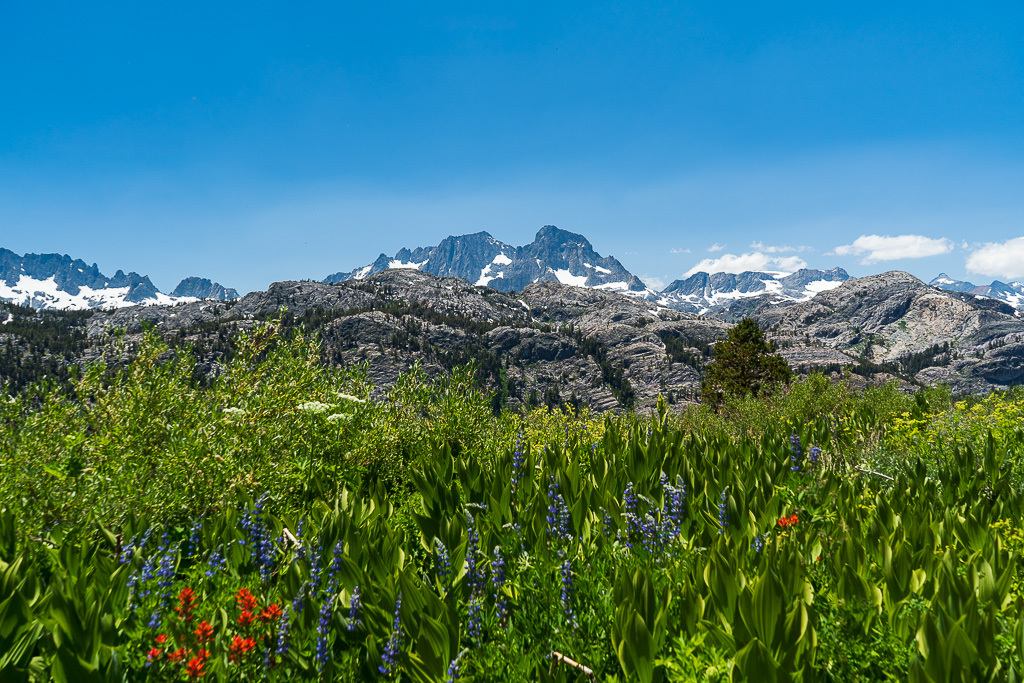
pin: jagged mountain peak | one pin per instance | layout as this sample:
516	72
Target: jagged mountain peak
564	238
203	288
554	255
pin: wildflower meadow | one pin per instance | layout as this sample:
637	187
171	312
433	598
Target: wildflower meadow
288	521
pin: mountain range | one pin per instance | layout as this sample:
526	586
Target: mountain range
55	281
1012	293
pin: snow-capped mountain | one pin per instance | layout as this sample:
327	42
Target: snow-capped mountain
55	281
1012	293
554	255
704	292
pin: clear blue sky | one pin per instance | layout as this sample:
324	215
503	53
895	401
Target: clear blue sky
258	142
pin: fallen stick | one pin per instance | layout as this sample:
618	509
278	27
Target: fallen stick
562	658
294	541
877	474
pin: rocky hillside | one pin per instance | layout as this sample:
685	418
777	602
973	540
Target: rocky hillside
897	322
552	342
549	344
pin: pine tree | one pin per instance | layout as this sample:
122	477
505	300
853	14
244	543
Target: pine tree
744	363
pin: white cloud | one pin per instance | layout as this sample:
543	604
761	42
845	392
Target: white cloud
885	248
655	283
716	247
731	263
999	259
777	249
679	251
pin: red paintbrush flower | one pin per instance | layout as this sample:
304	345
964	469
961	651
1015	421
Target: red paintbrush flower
196	666
246	600
240	647
186	602
204	632
270	614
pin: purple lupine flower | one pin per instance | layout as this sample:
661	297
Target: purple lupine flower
442	562
634	527
518	462
474	578
675	502
453	671
795	456
330	594
558	513
215	563
475	624
322	631
758	544
298	602
723	514
165	574
300	550
192	545
355	610
498	580
391	651
283	632
568	588
814	454
316	569
606	523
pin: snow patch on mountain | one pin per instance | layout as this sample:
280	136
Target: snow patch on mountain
46	294
566	277
395	263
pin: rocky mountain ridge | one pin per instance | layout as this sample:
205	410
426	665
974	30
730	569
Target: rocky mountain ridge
555	255
56	281
553	342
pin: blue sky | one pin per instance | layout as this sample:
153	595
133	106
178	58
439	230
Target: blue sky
256	142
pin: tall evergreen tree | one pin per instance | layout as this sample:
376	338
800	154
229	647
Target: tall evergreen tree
744	363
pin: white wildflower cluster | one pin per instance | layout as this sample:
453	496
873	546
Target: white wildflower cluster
350	397
338	417
232	410
314	407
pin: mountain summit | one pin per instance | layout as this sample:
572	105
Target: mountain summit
555	255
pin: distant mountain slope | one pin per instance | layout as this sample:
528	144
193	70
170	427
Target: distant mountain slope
704	292
55	281
555	255
1012	293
